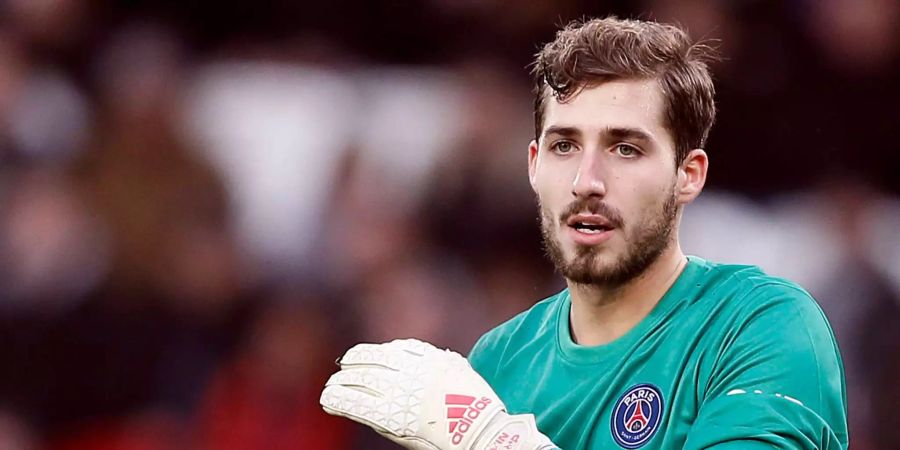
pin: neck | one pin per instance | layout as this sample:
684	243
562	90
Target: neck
603	314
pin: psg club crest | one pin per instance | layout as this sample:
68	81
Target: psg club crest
636	416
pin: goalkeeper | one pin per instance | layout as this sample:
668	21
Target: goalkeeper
646	347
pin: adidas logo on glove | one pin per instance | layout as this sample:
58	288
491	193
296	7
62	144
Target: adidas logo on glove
462	410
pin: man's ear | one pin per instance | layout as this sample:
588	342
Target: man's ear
532	163
692	176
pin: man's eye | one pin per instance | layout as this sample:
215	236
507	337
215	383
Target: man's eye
626	150
563	147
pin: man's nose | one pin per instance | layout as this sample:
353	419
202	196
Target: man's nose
589	180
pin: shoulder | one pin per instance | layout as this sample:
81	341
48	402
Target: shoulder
773	339
530	324
774	330
773	312
749	290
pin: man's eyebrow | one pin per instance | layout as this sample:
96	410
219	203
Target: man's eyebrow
609	133
625	134
562	131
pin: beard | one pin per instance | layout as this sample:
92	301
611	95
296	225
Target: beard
643	244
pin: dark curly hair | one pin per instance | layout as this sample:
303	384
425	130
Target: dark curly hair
587	53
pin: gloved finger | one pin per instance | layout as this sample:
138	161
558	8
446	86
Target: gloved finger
411	443
412	346
381	355
376	412
376	381
421	349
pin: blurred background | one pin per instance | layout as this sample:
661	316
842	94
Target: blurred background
204	203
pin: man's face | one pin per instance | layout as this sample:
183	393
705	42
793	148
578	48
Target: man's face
604	172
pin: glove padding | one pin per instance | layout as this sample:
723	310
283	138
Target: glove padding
424	398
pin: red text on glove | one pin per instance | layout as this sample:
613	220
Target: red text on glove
462	411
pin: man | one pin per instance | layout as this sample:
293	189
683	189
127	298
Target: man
646	348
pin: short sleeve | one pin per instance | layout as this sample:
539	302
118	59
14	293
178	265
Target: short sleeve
760	421
777	381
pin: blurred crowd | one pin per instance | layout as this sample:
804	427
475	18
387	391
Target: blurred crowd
203	204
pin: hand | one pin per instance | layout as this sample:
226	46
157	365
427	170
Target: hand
424	398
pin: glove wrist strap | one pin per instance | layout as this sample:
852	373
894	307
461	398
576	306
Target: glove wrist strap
506	432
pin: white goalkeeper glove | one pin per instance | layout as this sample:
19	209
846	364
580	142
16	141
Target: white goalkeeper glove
424	398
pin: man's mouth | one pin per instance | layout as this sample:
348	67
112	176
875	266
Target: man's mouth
590	229
589	223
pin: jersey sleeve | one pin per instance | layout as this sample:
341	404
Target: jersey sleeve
483	358
761	421
777	381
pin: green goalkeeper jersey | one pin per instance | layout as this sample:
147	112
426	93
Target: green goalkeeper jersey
730	358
